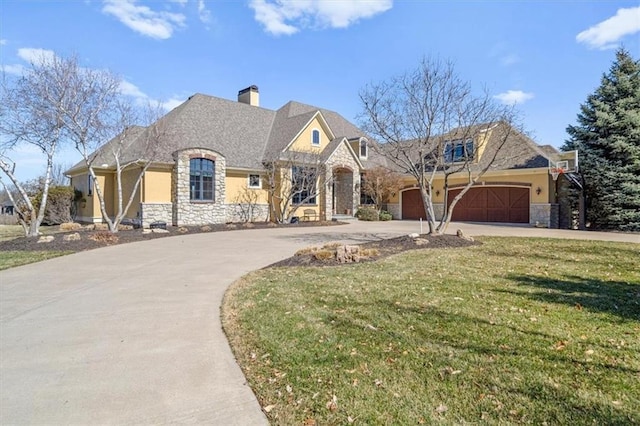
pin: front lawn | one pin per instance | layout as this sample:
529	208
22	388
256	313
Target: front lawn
11	259
513	331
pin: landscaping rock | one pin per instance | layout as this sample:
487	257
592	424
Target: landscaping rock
421	242
72	237
460	234
45	239
146	231
348	254
414	235
159	231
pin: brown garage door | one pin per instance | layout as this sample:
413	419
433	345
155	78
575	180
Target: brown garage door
412	206
492	204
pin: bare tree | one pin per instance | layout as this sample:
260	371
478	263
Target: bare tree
292	180
431	124
133	149
31	111
380	184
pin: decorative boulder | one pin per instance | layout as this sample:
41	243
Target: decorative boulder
348	254
45	239
460	234
71	237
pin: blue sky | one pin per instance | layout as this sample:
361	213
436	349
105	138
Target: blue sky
546	56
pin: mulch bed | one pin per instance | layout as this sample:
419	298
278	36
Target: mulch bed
384	248
92	239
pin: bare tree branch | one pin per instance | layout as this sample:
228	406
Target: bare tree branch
420	116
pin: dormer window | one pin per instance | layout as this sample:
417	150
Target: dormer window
458	151
363	149
315	137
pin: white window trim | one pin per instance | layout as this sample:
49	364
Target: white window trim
366	150
319	137
249	181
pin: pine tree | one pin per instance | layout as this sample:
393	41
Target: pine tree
607	138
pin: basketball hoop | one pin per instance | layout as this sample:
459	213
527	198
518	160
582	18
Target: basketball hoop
560	168
555	172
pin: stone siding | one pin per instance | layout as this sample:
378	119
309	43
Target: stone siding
154	212
243	212
394	209
342	158
545	215
189	212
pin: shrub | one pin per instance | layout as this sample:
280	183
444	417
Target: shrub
104	237
367	213
59	201
324	254
385	215
70	226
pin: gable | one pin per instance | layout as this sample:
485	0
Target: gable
303	141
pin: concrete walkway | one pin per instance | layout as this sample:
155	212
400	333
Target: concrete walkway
132	334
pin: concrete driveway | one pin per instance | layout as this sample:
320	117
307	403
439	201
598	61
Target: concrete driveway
132	334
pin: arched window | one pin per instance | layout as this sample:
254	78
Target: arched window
315	137
201	179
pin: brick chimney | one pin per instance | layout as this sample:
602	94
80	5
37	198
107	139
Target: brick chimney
249	96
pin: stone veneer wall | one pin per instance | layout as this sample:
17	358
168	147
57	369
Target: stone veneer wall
342	158
394	209
241	212
154	212
546	215
187	212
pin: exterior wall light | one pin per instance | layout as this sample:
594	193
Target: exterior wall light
538	190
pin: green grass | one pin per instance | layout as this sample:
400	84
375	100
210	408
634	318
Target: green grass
10	259
514	331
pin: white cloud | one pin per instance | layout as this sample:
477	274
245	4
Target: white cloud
3	42
513	97
203	13
180	2
129	89
142	19
14	69
288	17
37	56
172	103
607	33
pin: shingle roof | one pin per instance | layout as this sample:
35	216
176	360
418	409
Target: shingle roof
517	152
236	130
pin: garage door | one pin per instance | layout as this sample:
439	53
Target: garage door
412	206
492	204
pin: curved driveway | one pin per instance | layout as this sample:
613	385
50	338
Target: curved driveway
132	334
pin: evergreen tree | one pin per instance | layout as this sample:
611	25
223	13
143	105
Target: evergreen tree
607	137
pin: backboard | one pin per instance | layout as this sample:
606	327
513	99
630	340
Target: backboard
566	162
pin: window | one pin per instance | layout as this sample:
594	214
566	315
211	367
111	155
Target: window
315	137
89	185
458	151
201	174
303	185
363	149
254	181
364	198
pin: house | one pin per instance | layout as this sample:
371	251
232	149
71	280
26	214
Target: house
227	161
517	186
